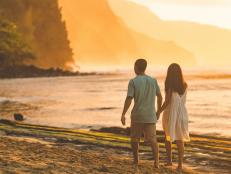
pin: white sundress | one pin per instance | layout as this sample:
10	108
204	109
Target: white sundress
175	119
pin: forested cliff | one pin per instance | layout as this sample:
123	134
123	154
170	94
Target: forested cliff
40	25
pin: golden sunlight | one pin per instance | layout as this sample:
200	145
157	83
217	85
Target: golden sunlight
115	86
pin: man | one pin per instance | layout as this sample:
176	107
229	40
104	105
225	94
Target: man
143	89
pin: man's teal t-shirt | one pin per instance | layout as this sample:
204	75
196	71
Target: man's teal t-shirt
144	90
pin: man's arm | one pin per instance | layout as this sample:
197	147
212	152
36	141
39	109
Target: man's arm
127	104
159	103
168	96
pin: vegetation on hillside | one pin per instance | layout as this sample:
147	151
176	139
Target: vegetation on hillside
41	26
13	49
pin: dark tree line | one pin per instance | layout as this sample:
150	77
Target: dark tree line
13	49
40	24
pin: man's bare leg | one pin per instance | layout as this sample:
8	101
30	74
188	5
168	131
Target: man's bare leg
135	150
155	151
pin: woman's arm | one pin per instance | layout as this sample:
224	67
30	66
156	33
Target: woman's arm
168	96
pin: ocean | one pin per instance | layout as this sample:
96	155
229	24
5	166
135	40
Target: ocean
96	101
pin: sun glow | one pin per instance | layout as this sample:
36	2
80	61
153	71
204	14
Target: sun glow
104	36
213	12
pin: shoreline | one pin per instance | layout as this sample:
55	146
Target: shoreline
31	71
201	154
118	129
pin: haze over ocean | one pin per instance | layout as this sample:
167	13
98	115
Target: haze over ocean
96	101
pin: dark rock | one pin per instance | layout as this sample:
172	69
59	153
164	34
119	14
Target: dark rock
126	131
7	122
18	117
24	71
120	130
115	130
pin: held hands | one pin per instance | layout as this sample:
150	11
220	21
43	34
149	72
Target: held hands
123	120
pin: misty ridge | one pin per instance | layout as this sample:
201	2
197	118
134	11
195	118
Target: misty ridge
99	36
61	34
209	44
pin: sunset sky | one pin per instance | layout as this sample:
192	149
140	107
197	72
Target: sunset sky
214	12
118	44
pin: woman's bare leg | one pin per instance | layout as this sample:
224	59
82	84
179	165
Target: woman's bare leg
168	146
180	146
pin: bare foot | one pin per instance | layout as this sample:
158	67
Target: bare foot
136	162
136	169
156	165
180	168
168	164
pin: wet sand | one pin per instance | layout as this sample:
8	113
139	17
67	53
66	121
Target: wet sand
38	149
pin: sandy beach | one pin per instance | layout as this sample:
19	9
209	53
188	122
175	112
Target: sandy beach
23	155
39	149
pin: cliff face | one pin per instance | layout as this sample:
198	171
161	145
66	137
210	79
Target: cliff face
41	26
98	36
209	44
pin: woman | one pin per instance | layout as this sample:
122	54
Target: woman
175	117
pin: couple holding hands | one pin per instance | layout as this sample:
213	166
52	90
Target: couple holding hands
144	90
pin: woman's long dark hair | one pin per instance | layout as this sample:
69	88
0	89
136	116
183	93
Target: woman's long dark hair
175	80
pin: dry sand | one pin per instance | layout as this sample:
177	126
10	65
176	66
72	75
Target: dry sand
29	155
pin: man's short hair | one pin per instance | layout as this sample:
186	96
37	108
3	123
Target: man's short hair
141	65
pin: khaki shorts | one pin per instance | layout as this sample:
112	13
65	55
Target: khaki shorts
149	130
